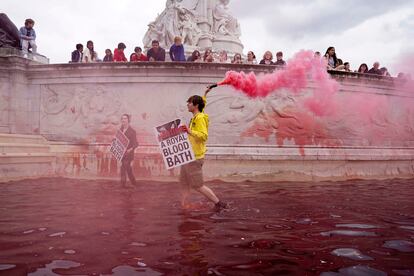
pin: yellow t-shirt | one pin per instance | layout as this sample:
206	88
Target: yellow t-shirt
199	133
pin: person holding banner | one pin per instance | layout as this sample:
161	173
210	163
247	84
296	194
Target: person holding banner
191	174
126	160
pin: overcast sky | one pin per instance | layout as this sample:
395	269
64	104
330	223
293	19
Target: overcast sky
360	30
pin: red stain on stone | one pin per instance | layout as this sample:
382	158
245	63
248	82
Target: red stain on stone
144	116
301	127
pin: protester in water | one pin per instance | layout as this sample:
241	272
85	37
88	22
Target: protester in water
130	133
191	174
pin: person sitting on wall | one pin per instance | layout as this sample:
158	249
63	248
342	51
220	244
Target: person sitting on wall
108	56
77	55
208	56
251	58
195	57
339	65
267	58
331	58
375	69
223	58
28	37
119	55
347	67
363	68
279	59
89	55
384	72
237	59
177	50
138	55
156	53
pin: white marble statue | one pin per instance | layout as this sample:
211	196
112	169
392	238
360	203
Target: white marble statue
198	22
224	22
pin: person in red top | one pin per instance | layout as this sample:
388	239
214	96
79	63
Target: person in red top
138	55
119	55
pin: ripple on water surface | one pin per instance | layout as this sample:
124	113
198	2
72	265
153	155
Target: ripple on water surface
357	225
400	245
351	253
6	266
348	233
56	264
126	270
358	270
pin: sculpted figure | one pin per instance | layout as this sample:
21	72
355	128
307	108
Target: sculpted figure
224	22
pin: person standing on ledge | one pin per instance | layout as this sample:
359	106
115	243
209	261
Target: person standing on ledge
191	174
129	154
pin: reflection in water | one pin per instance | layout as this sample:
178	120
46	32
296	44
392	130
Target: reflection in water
60	226
358	270
54	265
351	253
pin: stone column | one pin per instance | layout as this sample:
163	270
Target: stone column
205	23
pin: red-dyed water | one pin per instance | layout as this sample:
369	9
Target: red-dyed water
79	227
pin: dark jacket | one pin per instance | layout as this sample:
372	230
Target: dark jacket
158	56
374	71
263	62
133	143
76	56
280	62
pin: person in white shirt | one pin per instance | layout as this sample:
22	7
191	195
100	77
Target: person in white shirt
89	55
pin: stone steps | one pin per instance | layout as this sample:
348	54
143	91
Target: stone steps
25	156
22	139
23	148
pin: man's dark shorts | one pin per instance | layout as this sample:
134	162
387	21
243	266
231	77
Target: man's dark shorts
191	174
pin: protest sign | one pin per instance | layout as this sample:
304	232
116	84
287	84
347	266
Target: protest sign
175	147
119	145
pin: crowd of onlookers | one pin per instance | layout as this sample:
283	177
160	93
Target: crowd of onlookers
177	53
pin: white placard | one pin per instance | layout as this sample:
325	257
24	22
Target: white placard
175	147
119	145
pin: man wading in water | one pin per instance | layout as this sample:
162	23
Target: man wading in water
129	154
191	174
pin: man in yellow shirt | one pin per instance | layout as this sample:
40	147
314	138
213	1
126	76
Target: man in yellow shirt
191	174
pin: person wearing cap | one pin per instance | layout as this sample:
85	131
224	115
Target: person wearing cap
279	59
28	37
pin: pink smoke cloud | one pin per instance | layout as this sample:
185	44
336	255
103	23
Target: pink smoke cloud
294	77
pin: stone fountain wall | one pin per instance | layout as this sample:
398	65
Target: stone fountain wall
77	108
